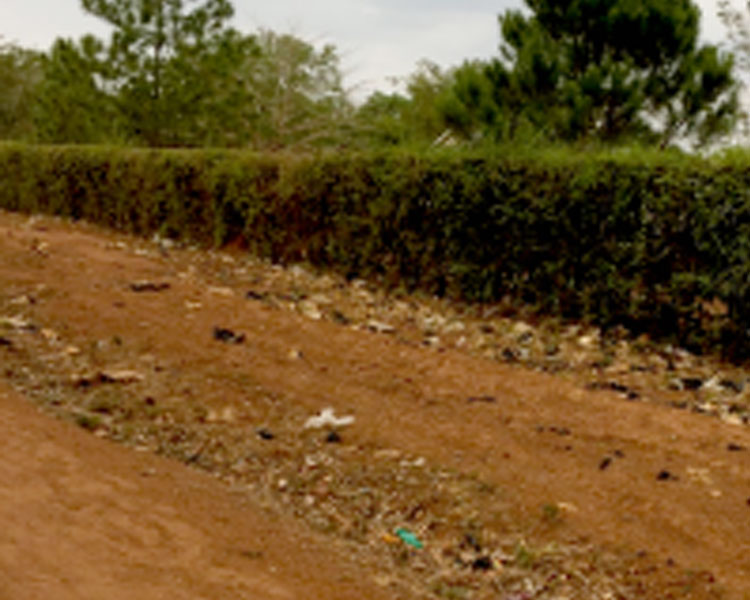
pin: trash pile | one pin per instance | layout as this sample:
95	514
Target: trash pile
423	530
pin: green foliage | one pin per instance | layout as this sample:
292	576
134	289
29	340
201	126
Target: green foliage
604	70
167	66
416	119
638	238
174	74
19	76
299	99
69	105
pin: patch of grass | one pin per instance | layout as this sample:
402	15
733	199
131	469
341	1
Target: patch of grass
551	512
88	422
104	403
524	556
451	592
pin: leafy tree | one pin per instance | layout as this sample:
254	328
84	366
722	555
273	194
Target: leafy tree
603	70
20	72
299	98
414	118
737	23
167	64
70	105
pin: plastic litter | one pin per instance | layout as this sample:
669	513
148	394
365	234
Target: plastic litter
328	418
409	538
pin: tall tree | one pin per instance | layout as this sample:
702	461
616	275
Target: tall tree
608	70
299	97
70	105
20	73
737	23
166	61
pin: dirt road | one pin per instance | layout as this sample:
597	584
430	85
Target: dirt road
176	351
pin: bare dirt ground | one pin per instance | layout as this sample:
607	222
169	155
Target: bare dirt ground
461	476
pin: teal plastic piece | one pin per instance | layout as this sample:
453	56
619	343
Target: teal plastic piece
409	538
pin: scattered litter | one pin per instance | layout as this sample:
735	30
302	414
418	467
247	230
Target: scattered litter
665	475
691	383
606	462
23	300
327	418
380	327
120	377
220	291
409	538
340	318
49	335
390	539
483	563
225	415
17	323
482	399
149	286
699	475
333	438
228	336
309	309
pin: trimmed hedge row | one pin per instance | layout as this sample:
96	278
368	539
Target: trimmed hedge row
641	240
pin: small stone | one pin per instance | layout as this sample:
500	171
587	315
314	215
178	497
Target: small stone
265	434
732	447
606	462
665	475
295	354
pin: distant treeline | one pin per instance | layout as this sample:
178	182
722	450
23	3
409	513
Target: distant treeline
176	74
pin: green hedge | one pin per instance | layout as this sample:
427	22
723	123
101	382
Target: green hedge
639	239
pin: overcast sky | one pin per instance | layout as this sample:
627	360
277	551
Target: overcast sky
377	39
